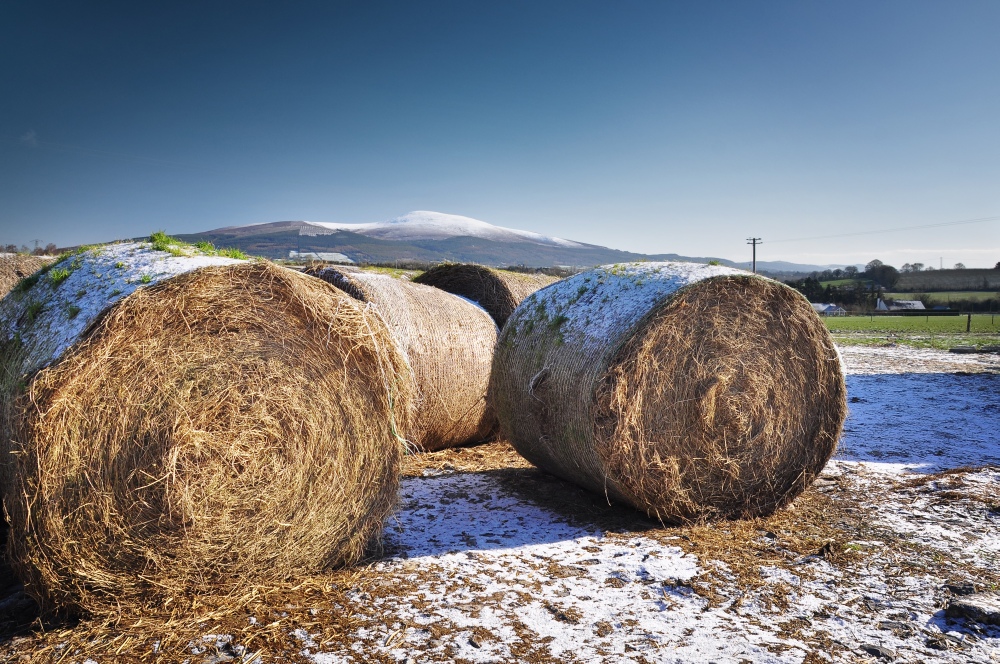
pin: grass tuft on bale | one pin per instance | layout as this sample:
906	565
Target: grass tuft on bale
230	426
689	392
448	343
497	291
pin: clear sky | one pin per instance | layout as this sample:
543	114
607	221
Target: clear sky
649	126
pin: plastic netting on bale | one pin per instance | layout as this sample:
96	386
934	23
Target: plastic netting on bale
449	344
688	391
497	291
208	424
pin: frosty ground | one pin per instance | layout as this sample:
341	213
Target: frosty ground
510	565
490	560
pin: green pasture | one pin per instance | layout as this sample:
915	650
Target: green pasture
845	282
918	331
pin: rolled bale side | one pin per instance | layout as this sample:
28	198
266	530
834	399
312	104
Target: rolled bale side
191	422
688	391
448	343
497	291
14	268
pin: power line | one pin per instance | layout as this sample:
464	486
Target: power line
891	230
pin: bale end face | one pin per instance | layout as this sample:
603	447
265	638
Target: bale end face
690	393
16	267
229	426
726	403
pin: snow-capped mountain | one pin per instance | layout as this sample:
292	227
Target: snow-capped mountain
427	237
426	225
421	236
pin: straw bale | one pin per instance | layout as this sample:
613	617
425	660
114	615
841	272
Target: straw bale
687	391
448	342
14	267
214	428
497	291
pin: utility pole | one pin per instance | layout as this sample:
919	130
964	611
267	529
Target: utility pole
754	241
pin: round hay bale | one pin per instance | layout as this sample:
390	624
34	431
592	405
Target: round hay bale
448	343
15	267
219	427
687	391
497	291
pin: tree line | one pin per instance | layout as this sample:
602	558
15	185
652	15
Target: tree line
48	250
865	288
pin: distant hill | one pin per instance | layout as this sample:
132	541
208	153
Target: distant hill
432	237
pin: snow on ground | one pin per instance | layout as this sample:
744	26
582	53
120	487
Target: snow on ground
922	422
893	359
479	571
488	560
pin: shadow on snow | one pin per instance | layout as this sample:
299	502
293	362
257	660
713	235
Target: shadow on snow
925	422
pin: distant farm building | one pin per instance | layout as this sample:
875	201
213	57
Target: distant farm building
900	305
328	256
828	309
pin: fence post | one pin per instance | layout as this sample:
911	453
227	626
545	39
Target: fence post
968	322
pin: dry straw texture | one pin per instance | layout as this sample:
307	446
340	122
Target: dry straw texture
449	344
497	291
14	267
690	392
231	425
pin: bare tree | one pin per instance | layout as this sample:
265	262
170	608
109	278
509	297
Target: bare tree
959	266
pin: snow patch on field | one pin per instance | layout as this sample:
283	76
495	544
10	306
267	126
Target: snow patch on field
484	570
484	574
873	360
920	422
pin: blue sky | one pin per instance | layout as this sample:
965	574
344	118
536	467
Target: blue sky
648	126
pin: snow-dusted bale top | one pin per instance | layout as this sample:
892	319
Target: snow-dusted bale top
449	344
52	314
688	391
180	421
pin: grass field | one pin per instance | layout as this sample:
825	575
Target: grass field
945	297
918	331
